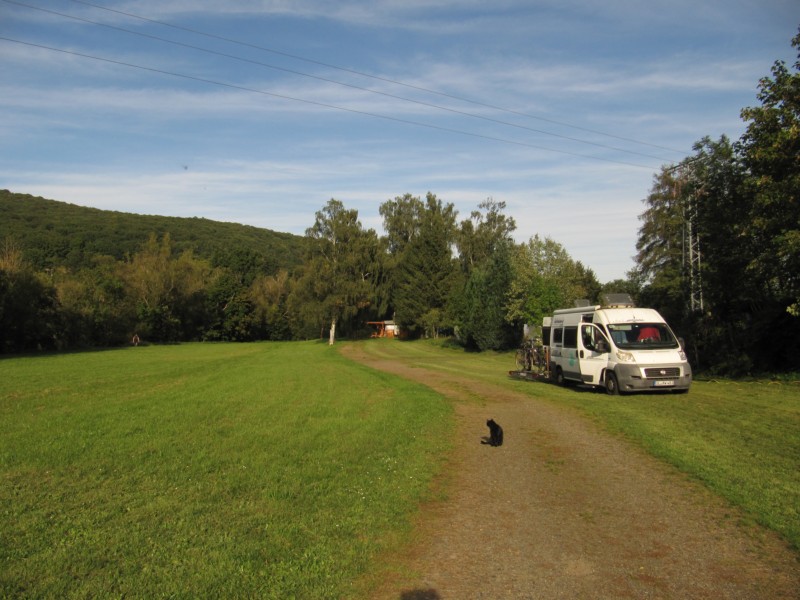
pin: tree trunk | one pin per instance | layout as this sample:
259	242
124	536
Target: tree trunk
333	332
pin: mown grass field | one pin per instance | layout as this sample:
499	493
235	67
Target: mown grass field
741	439
207	470
283	470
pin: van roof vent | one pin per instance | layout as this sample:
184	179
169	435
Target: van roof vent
618	301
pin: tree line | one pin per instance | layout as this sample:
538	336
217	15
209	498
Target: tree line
718	253
431	273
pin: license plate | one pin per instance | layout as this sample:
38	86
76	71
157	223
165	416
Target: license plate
664	383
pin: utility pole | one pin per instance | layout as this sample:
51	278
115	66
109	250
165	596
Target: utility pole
691	242
688	196
692	255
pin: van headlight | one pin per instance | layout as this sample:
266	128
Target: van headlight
623	356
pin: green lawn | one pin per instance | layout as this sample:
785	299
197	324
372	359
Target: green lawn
283	470
207	470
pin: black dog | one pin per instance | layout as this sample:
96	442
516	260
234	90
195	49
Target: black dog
495	434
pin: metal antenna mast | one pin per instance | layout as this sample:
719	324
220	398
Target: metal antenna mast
691	244
693	251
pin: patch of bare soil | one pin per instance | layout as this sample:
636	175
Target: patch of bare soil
565	510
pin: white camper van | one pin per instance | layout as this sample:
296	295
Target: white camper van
618	346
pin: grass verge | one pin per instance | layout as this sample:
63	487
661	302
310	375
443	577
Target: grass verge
742	440
225	470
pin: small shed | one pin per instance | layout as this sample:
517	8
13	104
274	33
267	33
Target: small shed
384	329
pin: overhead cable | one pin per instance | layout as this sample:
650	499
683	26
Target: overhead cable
324	79
375	77
320	104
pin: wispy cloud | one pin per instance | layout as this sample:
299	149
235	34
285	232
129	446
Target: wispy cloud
125	138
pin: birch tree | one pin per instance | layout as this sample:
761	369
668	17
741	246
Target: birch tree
342	264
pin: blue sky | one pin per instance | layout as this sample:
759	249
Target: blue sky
260	111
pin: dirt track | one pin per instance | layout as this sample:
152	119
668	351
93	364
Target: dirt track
564	510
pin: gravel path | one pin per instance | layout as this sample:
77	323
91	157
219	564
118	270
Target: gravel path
564	510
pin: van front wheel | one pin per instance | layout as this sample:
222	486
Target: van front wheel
612	386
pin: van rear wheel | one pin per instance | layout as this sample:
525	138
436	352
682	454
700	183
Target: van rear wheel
612	385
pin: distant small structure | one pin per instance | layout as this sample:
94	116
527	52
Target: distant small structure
384	329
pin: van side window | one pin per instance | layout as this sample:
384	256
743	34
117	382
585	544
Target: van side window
570	337
558	336
587	336
591	335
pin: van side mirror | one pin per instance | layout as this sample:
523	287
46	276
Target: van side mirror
602	347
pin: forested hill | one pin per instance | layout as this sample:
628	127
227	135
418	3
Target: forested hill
52	233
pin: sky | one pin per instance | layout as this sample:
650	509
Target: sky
260	111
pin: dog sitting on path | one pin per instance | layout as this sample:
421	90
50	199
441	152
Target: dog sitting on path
495	434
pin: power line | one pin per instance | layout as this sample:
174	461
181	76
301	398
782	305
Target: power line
320	104
376	77
324	79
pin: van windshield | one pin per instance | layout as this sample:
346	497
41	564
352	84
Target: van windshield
636	336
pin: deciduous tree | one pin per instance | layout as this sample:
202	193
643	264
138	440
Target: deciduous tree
167	289
342	264
546	277
402	218
487	230
484	324
269	295
28	306
770	149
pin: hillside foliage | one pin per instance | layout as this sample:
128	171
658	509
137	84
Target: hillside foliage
57	234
